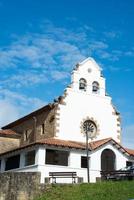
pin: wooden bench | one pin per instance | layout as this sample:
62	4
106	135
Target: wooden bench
55	175
117	174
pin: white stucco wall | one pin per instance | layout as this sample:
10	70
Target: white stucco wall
82	104
95	165
74	164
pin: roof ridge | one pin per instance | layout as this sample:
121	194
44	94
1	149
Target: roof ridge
25	117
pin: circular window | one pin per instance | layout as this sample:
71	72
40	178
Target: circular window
89	127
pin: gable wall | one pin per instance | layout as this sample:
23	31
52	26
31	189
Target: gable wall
95	157
80	105
43	118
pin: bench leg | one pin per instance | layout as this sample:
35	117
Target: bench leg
73	180
53	180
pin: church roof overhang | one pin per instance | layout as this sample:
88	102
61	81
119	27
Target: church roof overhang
56	143
52	142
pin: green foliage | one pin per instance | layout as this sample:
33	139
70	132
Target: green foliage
123	190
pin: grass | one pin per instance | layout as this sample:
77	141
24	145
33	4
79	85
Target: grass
123	190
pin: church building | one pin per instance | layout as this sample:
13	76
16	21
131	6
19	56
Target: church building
59	136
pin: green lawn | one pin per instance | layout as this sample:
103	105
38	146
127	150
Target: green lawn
123	190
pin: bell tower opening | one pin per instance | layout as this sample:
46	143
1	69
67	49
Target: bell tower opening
82	84
95	87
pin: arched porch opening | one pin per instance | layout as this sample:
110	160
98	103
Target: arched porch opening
108	159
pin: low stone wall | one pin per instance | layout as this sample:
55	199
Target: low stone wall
20	185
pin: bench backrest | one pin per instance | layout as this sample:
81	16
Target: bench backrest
72	174
118	172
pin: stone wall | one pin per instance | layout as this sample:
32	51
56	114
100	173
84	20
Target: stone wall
8	143
35	134
20	186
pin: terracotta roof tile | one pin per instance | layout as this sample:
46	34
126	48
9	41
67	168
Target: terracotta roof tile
130	151
7	132
72	144
98	143
64	143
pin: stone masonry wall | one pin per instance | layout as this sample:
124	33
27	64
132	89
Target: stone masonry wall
7	143
20	186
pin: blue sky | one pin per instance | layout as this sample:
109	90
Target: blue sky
41	41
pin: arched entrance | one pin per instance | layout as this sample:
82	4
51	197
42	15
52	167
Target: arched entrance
108	160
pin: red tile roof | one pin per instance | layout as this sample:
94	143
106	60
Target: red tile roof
63	143
130	151
7	132
98	143
79	145
76	145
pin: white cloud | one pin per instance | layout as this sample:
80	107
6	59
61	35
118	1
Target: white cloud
101	49
58	75
25	78
46	57
36	58
8	112
19	98
56	49
129	53
112	34
114	69
97	45
117	68
33	59
14	105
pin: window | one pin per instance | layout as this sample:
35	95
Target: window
51	120
27	134
82	84
30	158
12	162
56	157
95	87
83	162
42	129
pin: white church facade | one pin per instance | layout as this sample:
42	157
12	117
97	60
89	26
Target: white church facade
53	138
